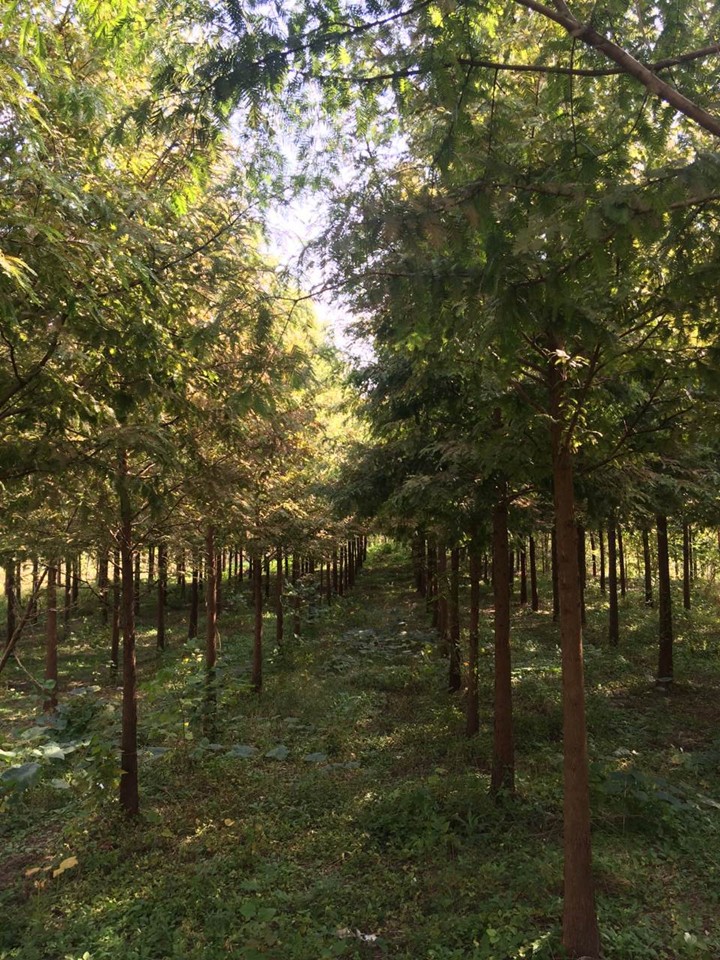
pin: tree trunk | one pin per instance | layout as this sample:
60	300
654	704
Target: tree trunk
443	624
51	639
194	603
136	587
10	600
582	564
686	566
129	791
162	573
534	599
612	582
256	676
503	763
665	652
279	613
296	598
116	613
335	580
523	579
210	602
554	565
68	591
581	937
454	672
648	569
621	562
601	542
472	717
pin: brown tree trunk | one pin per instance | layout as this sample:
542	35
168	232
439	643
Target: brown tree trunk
256	676
523	579
554	574
503	763
136	587
194	603
296	598
581	559
162	574
443	623
593	555
454	672
36	589
472	716
116	613
621	562
210	601
601	542
612	583
534	599
68	591
686	566
51	639
129	791
10	600
151	564
665	652
581	937
335	579
648	569
279	613
267	577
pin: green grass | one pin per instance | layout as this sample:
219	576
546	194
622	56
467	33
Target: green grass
387	831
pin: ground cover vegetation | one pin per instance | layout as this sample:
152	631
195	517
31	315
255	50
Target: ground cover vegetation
522	212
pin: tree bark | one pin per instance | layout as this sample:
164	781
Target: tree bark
129	790
648	569
601	541
116	613
194	603
665	646
210	601
279	613
686	566
554	574
503	762
51	638
162	574
523	579
612	582
621	562
472	715
581	936
256	677
534	599
454	672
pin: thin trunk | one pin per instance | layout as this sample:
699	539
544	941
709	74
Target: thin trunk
612	582
36	588
256	677
211	602
279	596
51	639
665	651
151	564
554	564
443	625
194	603
534	599
136	587
68	591
593	555
472	716
129	791
503	762
581	937
296	597
523	579
10	600
454	672
162	573
601	541
116	613
648	569
621	562
686	566
582	571
267	577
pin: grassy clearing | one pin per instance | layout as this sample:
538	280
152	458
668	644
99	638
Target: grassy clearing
367	831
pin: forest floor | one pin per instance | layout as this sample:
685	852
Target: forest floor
343	813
